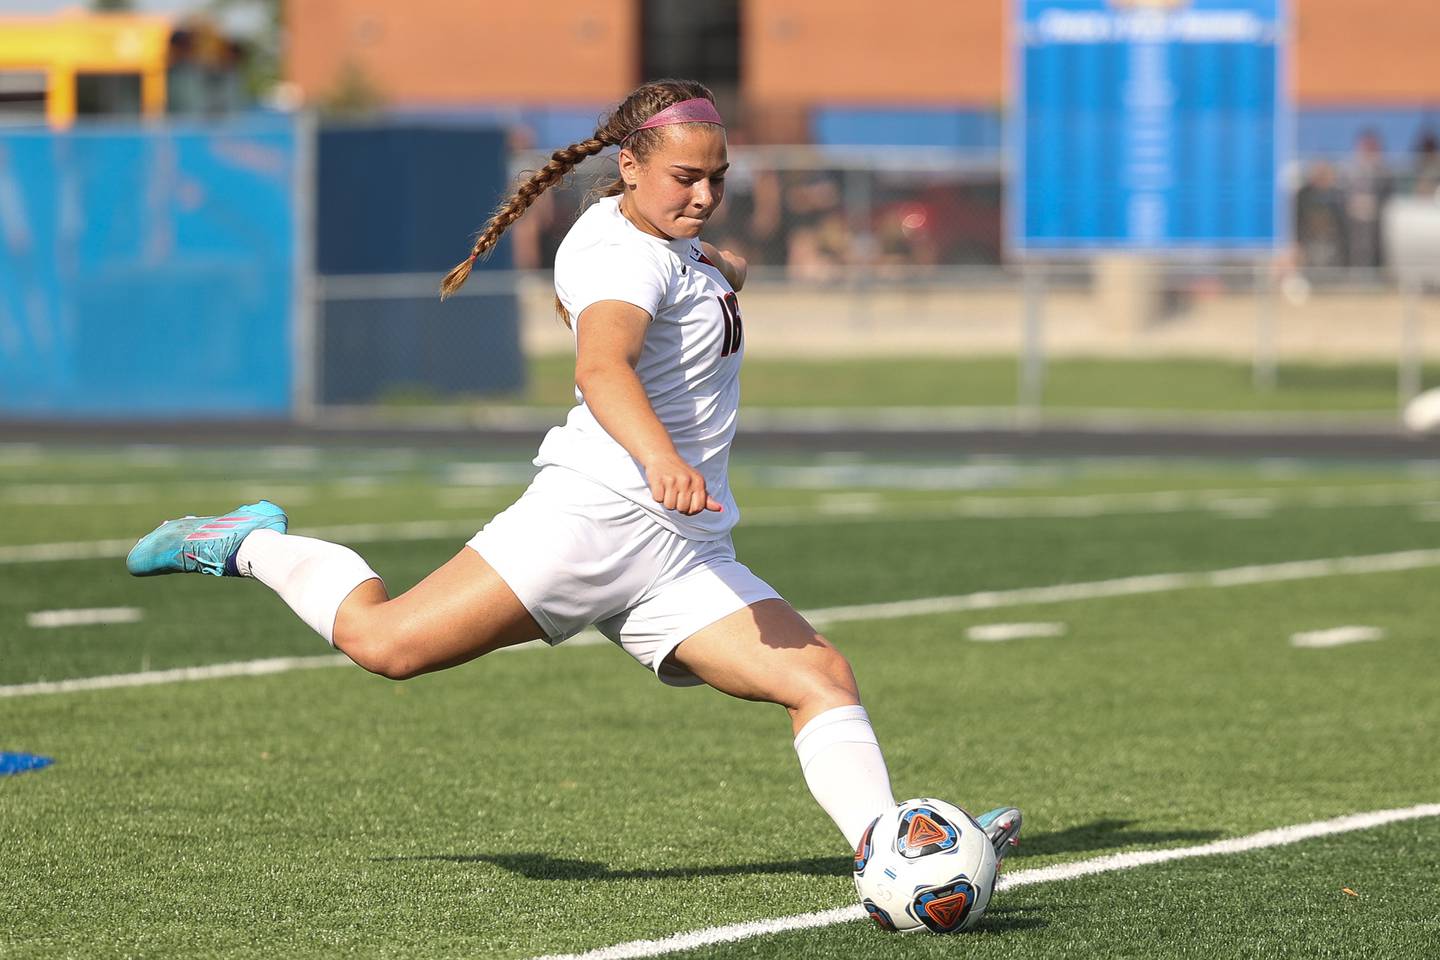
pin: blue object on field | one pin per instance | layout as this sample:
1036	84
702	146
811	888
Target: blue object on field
147	271
1155	128
22	762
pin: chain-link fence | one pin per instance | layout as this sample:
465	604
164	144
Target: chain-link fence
821	216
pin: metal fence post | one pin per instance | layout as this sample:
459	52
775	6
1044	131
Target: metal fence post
856	199
305	334
1410	362
1032	347
1265	368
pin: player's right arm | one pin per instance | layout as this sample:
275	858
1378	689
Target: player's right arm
610	335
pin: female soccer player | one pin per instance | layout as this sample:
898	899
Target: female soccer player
627	524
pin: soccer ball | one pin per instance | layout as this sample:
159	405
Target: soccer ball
925	865
1422	414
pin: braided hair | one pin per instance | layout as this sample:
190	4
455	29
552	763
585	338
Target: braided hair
618	126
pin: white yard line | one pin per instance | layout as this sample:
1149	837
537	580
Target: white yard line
84	617
1001	632
988	600
345	533
1131	586
854	509
79	550
1336	637
247	668
1278	837
241	668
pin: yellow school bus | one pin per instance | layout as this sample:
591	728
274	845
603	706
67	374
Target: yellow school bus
77	63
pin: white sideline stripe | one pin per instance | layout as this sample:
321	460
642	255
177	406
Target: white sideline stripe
84	617
988	600
1281	836
1000	632
1225	502
242	668
83	550
1336	637
348	532
1131	586
245	668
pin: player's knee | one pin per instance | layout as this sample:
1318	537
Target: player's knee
381	649
836	669
381	659
395	665
827	680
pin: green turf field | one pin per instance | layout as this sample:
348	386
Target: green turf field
561	801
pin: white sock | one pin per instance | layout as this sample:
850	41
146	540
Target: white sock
845	769
312	576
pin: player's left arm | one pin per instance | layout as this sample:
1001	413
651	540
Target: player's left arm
732	265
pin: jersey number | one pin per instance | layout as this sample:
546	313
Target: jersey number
730	307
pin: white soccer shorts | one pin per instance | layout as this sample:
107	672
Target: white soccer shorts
576	553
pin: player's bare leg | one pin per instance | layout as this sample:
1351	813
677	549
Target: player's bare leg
768	652
461	611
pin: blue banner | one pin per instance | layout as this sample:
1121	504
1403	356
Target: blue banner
147	271
1149	125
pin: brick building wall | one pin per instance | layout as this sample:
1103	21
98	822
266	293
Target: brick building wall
437	53
795	53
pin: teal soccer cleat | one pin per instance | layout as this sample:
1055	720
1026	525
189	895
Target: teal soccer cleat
202	544
1002	826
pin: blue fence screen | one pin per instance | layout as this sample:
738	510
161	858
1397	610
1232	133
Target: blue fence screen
148	272
405	198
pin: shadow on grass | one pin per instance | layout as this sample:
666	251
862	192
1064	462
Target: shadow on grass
1007	919
1096	835
540	866
1103	835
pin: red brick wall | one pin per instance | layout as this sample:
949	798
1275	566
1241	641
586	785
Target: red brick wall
891	51
796	52
1356	51
876	51
467	51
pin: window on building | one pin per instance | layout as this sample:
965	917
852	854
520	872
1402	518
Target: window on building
696	41
22	96
107	94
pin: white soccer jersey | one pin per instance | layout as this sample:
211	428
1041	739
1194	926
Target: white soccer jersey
689	366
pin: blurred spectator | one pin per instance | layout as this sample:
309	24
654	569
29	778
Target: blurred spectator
818	246
1320	225
904	235
798	219
766	220
1367	186
1425	180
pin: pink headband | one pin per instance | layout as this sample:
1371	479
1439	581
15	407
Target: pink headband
698	110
